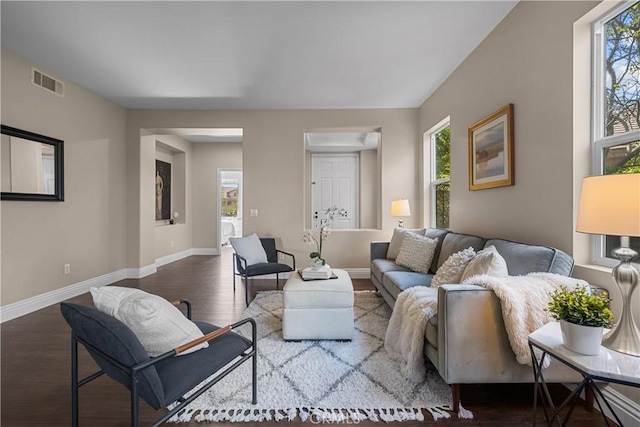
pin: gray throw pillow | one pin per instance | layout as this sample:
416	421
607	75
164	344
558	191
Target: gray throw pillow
398	237
416	252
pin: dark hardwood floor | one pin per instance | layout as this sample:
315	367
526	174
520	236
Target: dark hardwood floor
35	360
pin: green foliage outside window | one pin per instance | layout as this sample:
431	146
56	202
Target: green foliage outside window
443	171
623	158
621	68
443	158
622	72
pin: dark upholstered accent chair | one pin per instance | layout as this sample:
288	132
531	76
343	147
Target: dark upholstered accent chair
159	381
240	267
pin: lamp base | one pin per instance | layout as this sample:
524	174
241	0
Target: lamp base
624	337
400	223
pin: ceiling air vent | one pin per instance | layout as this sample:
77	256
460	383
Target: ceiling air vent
46	82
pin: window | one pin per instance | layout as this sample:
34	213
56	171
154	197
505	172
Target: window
616	105
439	138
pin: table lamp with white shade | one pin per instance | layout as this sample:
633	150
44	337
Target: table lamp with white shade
400	208
610	205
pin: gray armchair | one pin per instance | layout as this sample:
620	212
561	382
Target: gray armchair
272	266
162	380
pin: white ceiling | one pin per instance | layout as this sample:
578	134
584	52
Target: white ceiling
170	54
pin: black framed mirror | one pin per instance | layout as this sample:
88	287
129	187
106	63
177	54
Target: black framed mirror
32	166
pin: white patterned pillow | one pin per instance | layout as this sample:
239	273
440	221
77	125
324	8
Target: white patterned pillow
416	252
398	238
450	272
488	261
157	323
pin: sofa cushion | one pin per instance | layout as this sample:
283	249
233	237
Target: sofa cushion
398	237
523	258
456	242
397	281
379	267
417	252
436	233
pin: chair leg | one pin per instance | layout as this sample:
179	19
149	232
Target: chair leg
277	281
233	271
134	399
254	379
74	382
246	290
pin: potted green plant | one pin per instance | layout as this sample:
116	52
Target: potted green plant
582	315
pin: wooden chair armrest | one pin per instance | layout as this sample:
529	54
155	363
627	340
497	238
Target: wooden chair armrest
209	337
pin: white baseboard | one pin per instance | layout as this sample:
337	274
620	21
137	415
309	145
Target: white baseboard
206	251
168	259
29	305
359	273
139	273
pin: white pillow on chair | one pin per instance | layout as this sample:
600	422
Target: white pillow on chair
249	248
158	324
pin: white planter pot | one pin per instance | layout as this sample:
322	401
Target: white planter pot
581	339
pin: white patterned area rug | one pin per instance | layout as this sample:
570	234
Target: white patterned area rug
321	381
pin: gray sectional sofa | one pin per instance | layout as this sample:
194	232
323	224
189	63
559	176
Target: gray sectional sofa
467	341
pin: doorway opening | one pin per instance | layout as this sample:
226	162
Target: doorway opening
229	205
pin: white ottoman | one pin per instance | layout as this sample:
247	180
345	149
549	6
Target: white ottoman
318	309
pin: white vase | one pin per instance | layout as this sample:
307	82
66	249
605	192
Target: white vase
581	339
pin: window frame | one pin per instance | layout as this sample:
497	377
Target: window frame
599	141
433	182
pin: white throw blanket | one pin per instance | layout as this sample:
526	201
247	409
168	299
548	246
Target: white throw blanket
523	300
405	333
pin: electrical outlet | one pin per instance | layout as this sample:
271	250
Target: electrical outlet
67	268
172	243
281	255
254	212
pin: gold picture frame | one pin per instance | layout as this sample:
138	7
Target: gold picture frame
491	157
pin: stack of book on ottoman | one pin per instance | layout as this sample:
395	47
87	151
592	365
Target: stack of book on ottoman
323	272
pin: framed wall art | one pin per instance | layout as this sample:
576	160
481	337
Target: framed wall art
163	190
491	150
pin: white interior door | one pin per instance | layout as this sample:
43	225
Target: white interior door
334	182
